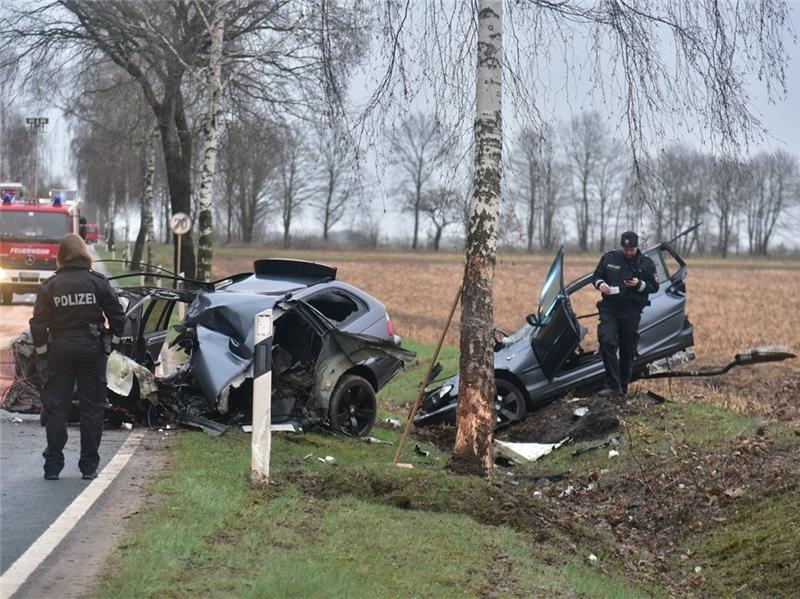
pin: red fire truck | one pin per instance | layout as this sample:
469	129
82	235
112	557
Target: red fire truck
30	231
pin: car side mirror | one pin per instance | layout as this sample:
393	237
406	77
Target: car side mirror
677	287
499	336
533	320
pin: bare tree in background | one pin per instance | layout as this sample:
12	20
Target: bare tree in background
442	206
680	187
586	149
610	178
16	150
527	161
294	178
416	153
727	195
250	153
775	184
551	183
337	182
113	125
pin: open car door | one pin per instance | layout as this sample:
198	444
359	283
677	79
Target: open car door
149	312
556	333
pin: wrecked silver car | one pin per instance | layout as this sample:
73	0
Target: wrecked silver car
333	347
546	358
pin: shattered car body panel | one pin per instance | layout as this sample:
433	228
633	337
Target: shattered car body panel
544	360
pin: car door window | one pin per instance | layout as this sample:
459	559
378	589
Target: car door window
553	284
336	305
557	334
157	316
671	265
156	313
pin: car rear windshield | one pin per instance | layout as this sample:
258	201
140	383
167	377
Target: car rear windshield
33	226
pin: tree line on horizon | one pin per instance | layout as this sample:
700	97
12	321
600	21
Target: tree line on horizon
570	183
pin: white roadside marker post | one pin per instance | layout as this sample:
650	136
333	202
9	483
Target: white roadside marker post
261	440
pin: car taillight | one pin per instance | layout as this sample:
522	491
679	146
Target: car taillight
389	326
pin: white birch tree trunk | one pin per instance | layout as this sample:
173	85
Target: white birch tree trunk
210	142
472	452
147	200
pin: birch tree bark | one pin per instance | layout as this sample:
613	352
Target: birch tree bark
147	200
210	140
472	453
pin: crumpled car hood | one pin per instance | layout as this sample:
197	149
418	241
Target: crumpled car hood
223	329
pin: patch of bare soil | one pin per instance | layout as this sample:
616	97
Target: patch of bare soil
549	424
562	419
667	497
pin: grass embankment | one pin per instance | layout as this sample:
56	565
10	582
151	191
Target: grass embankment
362	528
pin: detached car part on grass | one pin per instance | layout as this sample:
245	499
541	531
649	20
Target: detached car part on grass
544	360
333	348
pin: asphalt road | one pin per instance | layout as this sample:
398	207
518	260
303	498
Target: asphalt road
28	503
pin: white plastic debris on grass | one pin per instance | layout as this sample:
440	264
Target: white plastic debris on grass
612	453
393	422
592	558
580	412
525	452
376	441
328	459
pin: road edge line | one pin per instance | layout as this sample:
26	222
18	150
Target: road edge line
16	575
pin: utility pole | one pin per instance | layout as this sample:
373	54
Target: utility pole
36	124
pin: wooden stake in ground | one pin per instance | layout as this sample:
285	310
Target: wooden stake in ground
424	382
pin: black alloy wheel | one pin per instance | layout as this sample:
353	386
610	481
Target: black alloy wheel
509	405
353	406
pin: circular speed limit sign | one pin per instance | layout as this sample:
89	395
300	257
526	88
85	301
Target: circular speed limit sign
180	223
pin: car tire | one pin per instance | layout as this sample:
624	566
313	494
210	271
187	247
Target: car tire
510	405
353	407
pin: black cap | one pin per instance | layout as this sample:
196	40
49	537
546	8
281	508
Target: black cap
629	239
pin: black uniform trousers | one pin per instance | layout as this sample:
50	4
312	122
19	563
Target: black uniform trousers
71	359
618	331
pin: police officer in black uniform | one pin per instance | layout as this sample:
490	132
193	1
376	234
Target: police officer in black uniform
625	277
66	328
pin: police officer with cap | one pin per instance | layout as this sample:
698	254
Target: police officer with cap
624	277
66	328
